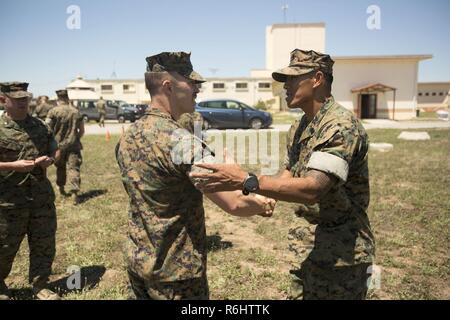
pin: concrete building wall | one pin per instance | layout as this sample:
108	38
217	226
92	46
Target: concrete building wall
281	39
256	89
136	92
398	73
432	93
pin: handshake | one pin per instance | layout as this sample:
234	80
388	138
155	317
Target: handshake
267	203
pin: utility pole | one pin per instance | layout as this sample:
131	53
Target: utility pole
114	75
285	8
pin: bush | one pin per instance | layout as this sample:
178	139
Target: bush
261	105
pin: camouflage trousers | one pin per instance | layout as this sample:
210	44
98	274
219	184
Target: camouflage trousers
39	224
313	282
191	289
69	165
101	121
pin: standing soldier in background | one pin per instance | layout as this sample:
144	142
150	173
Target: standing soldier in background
101	108
32	106
27	149
42	108
68	127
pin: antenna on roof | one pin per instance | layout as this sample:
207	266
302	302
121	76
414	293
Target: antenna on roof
114	75
284	8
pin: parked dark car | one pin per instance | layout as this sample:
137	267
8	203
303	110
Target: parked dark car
115	110
139	110
225	114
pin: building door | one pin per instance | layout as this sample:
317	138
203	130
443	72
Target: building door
368	106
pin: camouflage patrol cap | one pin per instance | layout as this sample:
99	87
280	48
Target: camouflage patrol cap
62	94
174	61
15	90
303	62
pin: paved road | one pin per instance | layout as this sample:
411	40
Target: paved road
117	128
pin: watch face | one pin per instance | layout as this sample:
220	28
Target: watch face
252	183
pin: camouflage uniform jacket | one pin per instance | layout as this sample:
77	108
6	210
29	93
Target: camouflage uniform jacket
167	236
65	121
24	140
42	110
335	142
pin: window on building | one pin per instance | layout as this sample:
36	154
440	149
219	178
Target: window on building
427	94
420	94
433	94
129	88
264	85
441	93
241	86
106	88
219	86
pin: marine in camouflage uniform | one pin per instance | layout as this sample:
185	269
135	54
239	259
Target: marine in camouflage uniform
326	171
42	108
338	226
26	195
167	237
67	125
101	108
167	247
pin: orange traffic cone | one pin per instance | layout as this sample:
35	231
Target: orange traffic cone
108	135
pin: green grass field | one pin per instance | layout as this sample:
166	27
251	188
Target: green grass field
248	258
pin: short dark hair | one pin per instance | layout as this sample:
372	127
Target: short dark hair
154	80
328	78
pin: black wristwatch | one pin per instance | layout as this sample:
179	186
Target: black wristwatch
251	184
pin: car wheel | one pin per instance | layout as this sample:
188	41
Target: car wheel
121	119
256	123
206	124
85	119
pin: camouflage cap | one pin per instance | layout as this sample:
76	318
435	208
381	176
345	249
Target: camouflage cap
15	90
303	62
62	94
174	61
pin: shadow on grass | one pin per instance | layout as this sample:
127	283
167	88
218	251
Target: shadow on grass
85	196
90	277
215	243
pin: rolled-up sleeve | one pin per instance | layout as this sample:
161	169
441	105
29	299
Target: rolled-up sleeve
334	154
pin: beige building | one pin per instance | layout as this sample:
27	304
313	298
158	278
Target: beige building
433	95
378	86
283	38
371	86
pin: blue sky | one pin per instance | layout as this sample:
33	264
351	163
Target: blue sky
226	35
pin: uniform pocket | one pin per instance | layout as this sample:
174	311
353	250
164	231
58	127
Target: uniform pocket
9	150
